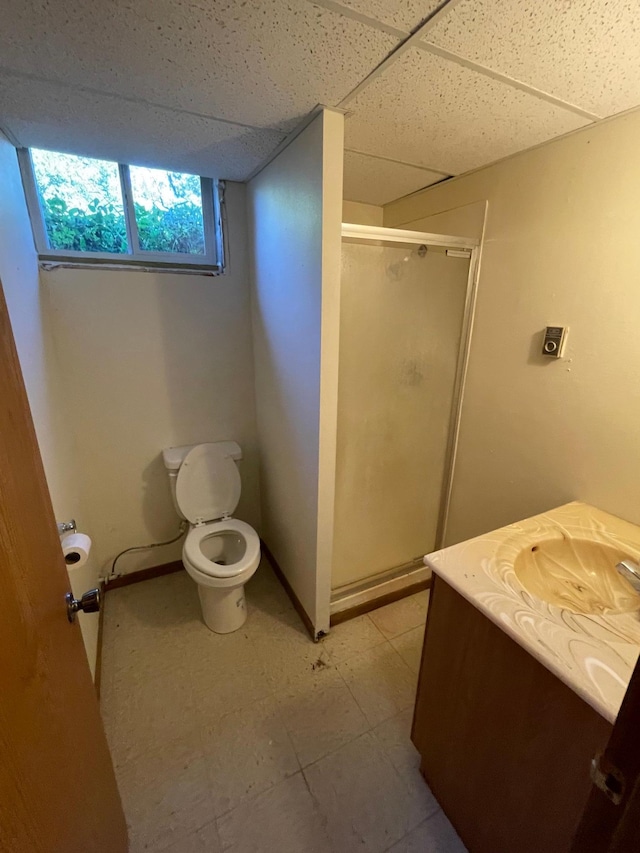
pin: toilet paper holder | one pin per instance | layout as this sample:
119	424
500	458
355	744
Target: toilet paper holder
66	526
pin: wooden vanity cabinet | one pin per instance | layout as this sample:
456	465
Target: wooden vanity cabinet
505	745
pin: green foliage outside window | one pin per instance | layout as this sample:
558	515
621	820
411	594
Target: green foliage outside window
99	228
84	212
169	215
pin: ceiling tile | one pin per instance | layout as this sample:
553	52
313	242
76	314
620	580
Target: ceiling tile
436	113
265	64
376	181
583	51
41	115
403	14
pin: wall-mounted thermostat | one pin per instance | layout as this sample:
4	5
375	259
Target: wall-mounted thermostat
554	338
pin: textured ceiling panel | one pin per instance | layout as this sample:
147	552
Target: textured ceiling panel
403	14
586	52
376	181
435	113
63	119
262	63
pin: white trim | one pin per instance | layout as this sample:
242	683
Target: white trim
207	195
331	260
455	419
33	199
129	209
347	600
396	235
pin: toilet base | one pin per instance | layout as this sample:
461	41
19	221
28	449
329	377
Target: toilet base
223	610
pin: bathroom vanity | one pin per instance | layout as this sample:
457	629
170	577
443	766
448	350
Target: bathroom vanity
530	642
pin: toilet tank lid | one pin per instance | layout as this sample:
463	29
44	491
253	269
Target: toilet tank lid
174	456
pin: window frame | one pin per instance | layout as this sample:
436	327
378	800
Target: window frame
212	197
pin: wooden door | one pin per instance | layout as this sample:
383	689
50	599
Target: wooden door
611	823
57	787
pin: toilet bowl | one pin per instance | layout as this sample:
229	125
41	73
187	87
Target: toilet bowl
220	552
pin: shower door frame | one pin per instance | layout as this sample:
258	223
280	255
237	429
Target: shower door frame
374	233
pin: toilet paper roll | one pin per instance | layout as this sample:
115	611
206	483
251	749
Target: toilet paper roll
76	548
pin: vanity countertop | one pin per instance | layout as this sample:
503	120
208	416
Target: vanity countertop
593	654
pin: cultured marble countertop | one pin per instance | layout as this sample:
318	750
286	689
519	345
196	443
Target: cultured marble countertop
594	655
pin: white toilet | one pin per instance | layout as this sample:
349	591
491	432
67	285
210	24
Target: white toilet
220	553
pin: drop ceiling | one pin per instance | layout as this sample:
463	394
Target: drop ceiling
430	89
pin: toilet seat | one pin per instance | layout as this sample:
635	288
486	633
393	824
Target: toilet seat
193	553
208	484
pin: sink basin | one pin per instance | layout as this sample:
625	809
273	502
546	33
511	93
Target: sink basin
576	574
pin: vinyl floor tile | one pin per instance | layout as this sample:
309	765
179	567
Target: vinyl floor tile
320	715
284	819
352	637
409	647
166	809
380	681
433	835
400	616
285	649
247	752
365	801
209	732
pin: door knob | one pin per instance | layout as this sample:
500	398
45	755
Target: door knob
89	603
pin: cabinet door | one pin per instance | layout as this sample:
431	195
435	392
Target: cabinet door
505	745
611	824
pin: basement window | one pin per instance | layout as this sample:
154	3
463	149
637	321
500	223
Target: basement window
96	212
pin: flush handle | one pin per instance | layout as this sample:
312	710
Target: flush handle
89	603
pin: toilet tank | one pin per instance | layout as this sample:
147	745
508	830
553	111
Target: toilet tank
173	458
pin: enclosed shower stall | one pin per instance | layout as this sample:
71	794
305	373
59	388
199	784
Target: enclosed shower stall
405	315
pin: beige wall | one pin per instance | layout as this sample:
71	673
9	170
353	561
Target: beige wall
27	303
152	360
560	247
295	215
359	213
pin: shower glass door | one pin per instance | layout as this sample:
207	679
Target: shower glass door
402	311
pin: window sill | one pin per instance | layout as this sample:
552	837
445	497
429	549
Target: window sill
48	263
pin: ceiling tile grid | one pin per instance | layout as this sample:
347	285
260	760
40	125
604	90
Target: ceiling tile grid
374	180
108	127
435	113
213	87
265	64
586	52
403	14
